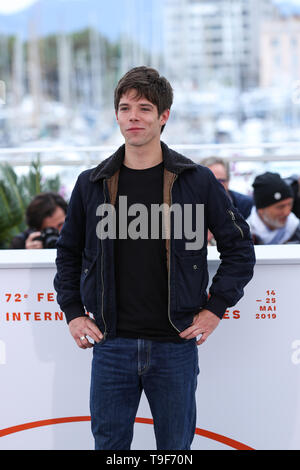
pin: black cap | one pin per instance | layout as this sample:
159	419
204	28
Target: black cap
270	188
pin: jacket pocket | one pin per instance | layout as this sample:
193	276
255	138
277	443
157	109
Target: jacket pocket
191	279
88	281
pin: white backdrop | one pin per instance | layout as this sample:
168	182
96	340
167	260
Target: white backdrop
249	383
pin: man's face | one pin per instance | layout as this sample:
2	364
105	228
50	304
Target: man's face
275	216
138	119
55	220
220	173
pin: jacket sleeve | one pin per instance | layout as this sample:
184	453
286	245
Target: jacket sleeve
70	245
235	245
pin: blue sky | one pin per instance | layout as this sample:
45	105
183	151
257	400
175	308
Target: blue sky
13	6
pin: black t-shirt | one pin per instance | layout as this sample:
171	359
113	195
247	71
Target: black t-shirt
140	264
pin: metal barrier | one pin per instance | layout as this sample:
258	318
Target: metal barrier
263	152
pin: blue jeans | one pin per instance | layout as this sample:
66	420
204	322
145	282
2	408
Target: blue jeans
167	372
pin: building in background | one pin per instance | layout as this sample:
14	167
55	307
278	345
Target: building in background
280	51
214	40
221	56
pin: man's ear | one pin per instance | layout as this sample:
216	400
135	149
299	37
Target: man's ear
164	117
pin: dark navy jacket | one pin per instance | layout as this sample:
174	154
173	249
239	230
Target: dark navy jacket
85	279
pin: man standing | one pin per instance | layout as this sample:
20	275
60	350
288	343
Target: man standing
143	278
272	221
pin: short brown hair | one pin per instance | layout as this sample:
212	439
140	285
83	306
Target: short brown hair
149	84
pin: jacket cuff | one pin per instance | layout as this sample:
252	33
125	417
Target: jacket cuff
217	305
72	311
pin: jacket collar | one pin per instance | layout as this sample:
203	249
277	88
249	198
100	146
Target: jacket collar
173	162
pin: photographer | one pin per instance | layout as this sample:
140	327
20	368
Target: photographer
45	217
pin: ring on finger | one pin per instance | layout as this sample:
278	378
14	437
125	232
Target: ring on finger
82	337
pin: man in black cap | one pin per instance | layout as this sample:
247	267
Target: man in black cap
272	221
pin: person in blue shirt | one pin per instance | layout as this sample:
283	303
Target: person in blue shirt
220	169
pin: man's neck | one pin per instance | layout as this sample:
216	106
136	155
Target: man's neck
146	156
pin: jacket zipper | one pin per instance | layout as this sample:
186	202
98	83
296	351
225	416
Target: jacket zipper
234	222
169	272
102	269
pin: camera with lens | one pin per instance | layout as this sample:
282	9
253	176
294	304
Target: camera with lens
48	237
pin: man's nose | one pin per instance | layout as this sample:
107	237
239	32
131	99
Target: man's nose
133	115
